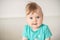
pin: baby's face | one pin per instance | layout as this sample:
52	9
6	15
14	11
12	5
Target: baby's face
34	20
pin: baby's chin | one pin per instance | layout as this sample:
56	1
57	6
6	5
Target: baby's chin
34	26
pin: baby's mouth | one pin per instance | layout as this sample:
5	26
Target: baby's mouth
34	24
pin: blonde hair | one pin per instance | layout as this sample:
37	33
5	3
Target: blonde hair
32	7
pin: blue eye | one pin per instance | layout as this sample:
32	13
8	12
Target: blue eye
31	17
38	17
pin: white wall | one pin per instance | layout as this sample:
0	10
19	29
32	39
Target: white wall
16	8
12	17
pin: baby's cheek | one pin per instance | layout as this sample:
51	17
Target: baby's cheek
28	21
40	21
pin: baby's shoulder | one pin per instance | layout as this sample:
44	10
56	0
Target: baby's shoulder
26	26
44	26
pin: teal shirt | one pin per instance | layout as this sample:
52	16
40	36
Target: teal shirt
42	33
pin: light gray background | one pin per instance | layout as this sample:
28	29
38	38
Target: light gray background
12	17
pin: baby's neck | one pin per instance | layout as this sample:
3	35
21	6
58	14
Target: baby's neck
34	29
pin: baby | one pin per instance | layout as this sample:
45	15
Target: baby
35	29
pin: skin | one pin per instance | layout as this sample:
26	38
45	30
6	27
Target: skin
34	20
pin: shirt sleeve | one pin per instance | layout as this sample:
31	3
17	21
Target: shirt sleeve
47	32
24	34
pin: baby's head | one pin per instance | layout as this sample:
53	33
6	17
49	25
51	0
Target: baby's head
34	14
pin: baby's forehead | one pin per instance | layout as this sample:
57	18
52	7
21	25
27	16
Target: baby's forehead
35	14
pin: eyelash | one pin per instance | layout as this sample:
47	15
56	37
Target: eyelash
31	17
36	17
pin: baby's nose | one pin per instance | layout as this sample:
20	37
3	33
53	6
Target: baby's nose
34	20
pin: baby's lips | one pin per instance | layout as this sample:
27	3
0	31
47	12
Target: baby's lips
34	24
